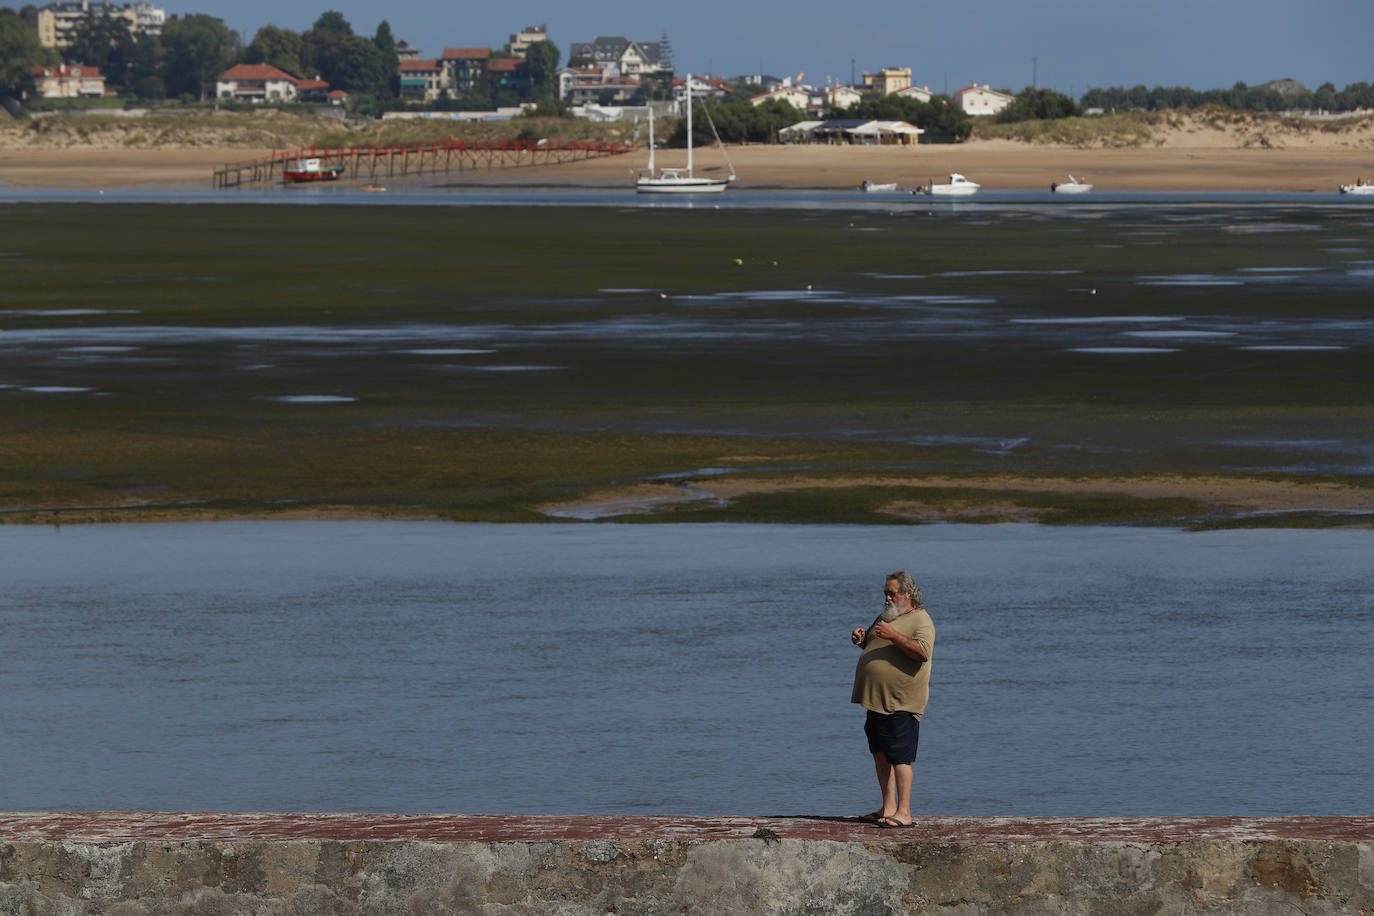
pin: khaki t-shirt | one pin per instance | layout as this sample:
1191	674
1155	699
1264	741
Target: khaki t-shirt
887	680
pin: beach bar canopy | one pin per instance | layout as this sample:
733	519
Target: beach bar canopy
800	132
891	132
851	131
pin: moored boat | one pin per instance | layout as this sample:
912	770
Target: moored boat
1072	186
307	170
957	186
876	186
681	181
1359	187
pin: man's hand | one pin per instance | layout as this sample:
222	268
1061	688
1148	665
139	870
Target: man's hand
857	637
885	630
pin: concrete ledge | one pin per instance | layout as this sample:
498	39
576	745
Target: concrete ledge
167	863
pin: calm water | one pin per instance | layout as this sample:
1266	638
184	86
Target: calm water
448	191
417	667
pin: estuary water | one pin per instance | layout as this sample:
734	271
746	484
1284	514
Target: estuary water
677	669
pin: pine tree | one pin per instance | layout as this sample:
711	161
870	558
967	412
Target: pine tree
665	53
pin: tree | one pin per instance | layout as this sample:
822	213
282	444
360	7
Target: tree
386	47
144	75
323	52
104	42
278	47
332	22
541	59
1325	96
352	63
19	53
1038	104
198	49
737	121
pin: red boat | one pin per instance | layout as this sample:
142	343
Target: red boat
311	170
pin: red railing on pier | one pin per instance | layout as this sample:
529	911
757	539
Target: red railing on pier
375	161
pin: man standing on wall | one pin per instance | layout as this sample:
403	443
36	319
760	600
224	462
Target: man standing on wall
892	681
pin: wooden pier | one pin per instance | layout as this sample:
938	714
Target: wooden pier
434	157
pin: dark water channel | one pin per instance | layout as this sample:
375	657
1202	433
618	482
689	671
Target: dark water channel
427	667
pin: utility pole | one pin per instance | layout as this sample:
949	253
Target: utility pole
851	72
1035	72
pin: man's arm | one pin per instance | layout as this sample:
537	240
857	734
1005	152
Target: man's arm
908	646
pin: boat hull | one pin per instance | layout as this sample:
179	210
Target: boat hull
954	190
305	177
681	185
1357	189
1071	188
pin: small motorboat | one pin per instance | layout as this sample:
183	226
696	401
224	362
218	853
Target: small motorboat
308	170
957	186
1359	187
1072	186
875	186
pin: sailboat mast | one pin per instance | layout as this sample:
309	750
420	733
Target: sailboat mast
651	142
689	125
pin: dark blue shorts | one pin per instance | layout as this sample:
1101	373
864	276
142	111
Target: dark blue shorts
894	735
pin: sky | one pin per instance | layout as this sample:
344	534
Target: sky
1066	45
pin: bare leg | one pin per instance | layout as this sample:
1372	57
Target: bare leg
887	782
902	775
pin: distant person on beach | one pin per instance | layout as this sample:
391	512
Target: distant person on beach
892	681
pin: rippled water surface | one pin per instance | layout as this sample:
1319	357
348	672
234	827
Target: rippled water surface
427	667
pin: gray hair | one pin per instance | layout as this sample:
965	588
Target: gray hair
907	586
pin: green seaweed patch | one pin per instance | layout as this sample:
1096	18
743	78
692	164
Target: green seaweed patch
874	505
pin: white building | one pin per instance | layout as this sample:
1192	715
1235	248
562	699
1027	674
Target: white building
796	96
979	100
520	42
57	22
919	93
842	97
888	80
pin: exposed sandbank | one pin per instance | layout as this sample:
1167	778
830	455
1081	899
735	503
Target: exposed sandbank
994	164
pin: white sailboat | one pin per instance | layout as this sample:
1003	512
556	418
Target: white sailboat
681	181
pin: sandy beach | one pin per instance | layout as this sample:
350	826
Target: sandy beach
1182	160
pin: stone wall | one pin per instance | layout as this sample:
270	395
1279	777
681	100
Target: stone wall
117	864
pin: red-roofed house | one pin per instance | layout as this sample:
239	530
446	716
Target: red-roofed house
312	90
465	67
68	82
421	80
257	83
508	73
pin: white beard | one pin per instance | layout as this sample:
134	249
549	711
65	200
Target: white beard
890	611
